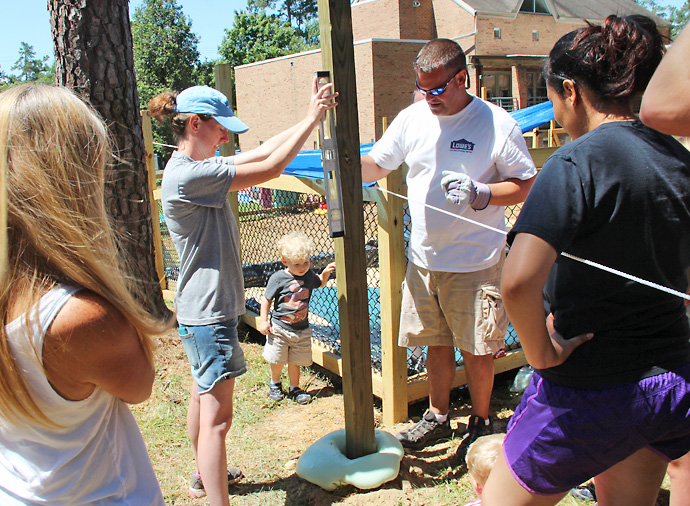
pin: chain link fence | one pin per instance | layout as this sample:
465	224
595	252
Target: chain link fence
264	216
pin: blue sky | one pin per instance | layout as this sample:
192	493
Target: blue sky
28	21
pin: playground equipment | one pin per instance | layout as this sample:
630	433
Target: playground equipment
384	232
398	376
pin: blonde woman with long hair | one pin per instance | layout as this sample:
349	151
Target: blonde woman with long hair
75	345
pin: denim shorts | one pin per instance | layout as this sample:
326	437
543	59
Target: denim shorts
560	437
214	352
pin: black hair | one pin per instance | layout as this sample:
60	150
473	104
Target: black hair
615	60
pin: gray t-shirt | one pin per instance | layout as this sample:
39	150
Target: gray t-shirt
290	295
210	286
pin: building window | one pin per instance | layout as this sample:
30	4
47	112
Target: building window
535	7
535	35
497	33
536	88
499	89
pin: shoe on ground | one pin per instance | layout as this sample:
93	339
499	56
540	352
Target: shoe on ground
299	395
585	492
426	431
275	392
196	486
476	428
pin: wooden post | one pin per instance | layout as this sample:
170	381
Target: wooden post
337	56
553	134
223	76
151	170
392	272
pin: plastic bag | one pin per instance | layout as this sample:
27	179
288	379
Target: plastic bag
522	379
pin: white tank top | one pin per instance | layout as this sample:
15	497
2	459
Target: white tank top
97	456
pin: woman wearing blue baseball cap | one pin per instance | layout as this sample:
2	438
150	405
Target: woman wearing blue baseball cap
210	290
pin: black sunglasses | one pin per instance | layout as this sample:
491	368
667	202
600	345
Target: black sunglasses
438	91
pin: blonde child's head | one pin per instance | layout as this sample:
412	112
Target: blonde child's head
481	458
295	247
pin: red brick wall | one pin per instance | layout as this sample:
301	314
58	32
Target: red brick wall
376	19
273	95
393	19
516	35
417	23
393	77
452	21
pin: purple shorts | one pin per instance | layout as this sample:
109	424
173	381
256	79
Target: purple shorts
559	437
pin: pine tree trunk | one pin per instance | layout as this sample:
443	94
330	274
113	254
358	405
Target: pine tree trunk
93	55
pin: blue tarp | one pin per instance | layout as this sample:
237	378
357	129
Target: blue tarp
308	163
531	117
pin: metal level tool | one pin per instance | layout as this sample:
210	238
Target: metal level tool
331	165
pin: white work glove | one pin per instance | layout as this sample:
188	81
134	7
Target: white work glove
462	190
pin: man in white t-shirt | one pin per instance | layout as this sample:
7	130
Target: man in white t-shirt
468	157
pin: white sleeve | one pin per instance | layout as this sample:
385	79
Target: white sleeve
389	152
514	160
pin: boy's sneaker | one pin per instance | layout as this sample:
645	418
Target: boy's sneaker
299	395
476	428
275	392
426	431
196	486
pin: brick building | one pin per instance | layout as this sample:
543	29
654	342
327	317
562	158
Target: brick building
505	42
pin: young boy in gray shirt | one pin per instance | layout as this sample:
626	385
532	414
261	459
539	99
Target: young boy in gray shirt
288	337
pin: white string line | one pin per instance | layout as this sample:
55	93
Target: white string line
166	145
563	253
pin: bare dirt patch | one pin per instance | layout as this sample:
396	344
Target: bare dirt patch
267	438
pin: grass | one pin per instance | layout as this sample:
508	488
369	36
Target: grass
267	437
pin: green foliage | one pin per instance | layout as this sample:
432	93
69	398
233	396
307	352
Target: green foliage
301	15
165	48
165	57
257	36
29	69
678	16
6	80
312	37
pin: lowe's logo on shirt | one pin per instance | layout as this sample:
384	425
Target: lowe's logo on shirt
462	145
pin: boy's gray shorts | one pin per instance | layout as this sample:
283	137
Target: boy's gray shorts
284	346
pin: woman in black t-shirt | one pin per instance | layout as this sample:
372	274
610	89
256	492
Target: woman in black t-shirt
611	395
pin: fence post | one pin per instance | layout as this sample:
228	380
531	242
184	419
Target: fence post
151	170
392	266
223	76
